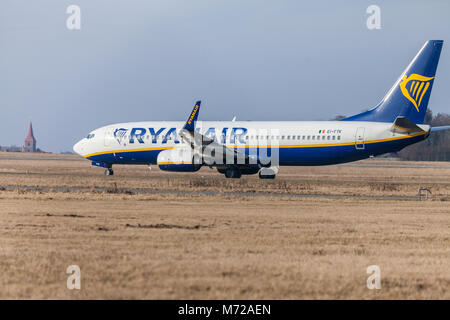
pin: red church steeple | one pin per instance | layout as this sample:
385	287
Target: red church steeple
30	141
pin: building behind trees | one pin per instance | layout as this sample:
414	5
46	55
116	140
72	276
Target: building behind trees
30	141
30	144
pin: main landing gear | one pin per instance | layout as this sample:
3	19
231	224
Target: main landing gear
233	173
236	173
268	173
266	176
109	172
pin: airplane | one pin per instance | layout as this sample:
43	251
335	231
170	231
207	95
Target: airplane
237	148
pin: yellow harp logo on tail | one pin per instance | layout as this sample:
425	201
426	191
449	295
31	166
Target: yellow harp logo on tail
418	86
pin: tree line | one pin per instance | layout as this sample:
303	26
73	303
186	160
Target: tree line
435	148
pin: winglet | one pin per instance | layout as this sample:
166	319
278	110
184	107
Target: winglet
190	123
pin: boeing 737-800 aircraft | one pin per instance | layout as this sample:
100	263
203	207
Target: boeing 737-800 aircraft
251	147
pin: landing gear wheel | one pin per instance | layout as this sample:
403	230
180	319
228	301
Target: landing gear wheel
233	173
109	172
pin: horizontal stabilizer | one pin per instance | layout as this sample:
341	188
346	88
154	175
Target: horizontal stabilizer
440	128
403	124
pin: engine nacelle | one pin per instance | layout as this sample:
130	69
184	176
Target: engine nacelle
178	159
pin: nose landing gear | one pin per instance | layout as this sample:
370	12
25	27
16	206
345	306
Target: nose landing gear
109	171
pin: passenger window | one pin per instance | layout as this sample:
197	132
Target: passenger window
282	137
334	137
339	137
323	137
303	137
313	137
328	137
309	137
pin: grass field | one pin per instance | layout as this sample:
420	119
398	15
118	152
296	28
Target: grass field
194	246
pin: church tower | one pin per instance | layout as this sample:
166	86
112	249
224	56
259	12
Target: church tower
30	141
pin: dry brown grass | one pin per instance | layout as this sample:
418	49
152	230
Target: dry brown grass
342	180
191	246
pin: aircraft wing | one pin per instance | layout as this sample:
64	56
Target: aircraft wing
210	150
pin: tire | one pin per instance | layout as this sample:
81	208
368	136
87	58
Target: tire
229	173
233	173
271	176
109	172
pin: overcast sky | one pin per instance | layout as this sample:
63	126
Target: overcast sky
137	60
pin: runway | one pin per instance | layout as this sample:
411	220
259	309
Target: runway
213	193
375	165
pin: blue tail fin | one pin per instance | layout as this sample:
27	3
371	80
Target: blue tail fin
410	94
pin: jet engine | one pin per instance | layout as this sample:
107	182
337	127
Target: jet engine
178	159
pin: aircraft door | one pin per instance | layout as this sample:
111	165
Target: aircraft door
108	137
359	138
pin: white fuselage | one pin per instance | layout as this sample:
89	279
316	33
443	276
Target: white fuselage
299	142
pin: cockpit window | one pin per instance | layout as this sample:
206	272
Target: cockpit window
90	136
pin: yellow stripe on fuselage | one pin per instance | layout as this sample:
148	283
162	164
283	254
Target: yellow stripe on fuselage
269	146
127	150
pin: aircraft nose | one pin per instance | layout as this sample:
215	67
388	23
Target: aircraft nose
78	147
